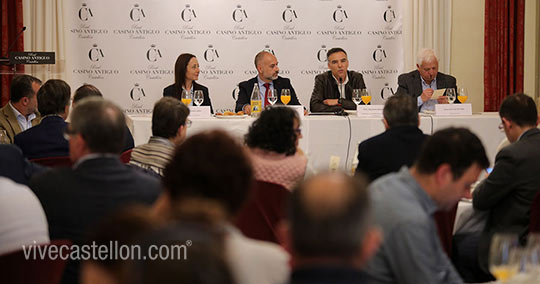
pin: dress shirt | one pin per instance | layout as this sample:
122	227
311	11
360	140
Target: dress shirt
21	119
262	90
430	104
411	251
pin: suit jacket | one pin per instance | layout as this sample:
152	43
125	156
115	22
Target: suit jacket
246	87
389	151
509	190
327	88
75	199
44	140
172	91
411	83
14	166
9	123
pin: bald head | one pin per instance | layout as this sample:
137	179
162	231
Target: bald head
329	216
267	66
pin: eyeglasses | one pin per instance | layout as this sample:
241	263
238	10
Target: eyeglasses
68	132
188	123
298	131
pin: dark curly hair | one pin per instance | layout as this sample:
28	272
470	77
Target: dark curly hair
274	131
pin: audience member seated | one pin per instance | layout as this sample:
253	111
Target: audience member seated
422	82
22	220
267	78
212	168
88	90
273	147
47	138
448	164
398	145
186	72
508	192
21	112
15	167
98	184
331	235
169	128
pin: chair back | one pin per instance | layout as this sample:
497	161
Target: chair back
263	211
445	227
15	268
62	161
126	156
534	222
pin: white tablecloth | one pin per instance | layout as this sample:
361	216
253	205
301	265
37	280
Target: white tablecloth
327	136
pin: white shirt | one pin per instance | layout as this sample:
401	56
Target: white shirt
21	119
22	219
341	87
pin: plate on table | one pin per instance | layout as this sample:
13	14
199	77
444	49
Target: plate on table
230	116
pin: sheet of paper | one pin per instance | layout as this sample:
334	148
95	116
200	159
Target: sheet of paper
438	93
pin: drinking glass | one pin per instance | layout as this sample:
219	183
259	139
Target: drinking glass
451	95
462	95
187	97
198	97
272	97
4	139
366	96
285	96
503	256
356	97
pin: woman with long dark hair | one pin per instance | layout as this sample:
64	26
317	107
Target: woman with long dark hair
186	72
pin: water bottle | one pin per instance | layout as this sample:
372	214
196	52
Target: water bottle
256	101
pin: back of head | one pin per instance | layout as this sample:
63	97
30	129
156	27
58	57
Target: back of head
101	123
85	91
520	109
53	97
259	57
210	165
274	131
329	216
334	50
21	87
401	110
168	115
458	147
426	55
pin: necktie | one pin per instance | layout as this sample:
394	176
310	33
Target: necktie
267	86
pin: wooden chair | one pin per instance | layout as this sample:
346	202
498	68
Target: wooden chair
445	227
15	268
263	211
62	161
126	156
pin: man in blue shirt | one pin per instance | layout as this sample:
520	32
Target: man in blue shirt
404	203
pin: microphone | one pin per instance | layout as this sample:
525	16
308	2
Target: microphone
340	86
14	41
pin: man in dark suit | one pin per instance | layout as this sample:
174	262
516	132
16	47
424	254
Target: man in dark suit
398	145
421	83
14	166
98	184
21	112
47	138
509	190
333	89
267	78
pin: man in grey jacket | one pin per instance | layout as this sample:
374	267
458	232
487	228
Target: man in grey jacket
333	89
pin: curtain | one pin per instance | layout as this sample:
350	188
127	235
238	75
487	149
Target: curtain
45	32
503	51
11	18
427	24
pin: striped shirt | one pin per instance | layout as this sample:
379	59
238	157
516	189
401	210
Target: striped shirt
154	155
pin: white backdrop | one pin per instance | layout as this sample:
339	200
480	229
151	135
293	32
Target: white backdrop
128	48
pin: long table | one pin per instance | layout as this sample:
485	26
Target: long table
331	142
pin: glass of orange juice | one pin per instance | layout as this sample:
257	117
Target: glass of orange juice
187	97
504	258
285	96
365	95
462	95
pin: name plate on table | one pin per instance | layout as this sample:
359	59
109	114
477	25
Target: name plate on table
199	112
24	57
453	109
298	109
369	110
